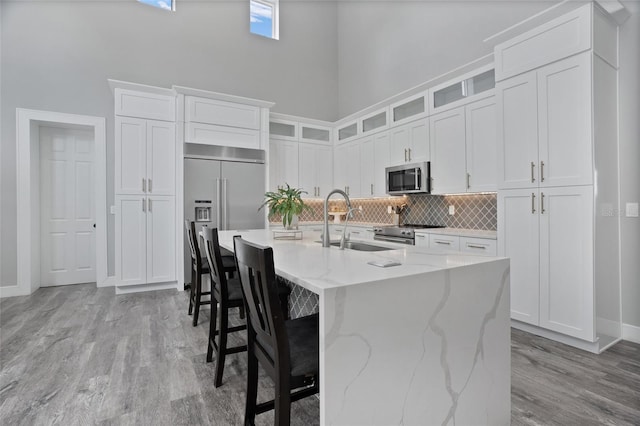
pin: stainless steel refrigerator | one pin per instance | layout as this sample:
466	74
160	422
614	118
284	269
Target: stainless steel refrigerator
223	188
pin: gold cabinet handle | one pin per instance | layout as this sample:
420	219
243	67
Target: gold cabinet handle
405	155
409	154
542	171
149	205
533	203
468	181
371	189
144	185
533	165
149	185
542	210
143	207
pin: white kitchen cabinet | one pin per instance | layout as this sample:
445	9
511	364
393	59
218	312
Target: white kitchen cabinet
139	104
421	240
566	261
160	239
544	137
466	88
374	158
283	164
448	151
283	129
481	246
547	234
145	156
444	242
481	146
519	240
315	169
145	239
409	143
347	168
218	112
375	121
409	109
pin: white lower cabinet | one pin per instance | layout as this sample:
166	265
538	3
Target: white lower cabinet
482	246
145	239
548	235
422	240
444	242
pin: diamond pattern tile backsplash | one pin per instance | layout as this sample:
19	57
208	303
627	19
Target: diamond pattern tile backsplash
472	211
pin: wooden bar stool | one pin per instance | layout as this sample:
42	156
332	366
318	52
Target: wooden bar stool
199	267
288	350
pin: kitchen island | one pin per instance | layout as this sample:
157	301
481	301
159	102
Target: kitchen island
426	342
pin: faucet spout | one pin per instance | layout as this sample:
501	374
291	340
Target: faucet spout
326	240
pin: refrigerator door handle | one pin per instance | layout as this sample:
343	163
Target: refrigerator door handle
218	203
225	216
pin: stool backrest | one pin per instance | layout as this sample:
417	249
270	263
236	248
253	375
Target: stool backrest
192	237
214	258
266	332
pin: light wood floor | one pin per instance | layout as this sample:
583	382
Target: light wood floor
81	355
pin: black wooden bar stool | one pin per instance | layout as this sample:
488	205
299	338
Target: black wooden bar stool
199	267
288	350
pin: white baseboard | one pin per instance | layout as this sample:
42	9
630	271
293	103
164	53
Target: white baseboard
145	287
592	347
631	333
13	290
109	282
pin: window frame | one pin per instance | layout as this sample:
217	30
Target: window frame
275	17
148	3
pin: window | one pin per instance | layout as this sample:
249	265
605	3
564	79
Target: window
162	4
263	18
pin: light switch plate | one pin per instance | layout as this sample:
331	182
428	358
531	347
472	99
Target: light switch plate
631	209
452	210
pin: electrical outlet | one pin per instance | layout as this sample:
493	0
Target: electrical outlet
389	209
452	210
631	209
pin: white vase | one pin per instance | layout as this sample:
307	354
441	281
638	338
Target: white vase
294	222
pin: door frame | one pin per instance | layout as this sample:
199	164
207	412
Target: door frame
28	123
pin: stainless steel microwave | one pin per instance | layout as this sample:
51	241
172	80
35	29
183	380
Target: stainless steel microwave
414	178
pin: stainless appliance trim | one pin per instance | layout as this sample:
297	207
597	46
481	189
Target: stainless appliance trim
224	153
422	185
408	241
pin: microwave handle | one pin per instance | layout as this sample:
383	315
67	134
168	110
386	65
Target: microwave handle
418	176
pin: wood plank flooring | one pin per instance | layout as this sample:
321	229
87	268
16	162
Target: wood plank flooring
81	355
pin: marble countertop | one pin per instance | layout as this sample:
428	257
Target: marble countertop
306	263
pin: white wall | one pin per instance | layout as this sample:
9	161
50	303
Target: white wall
386	47
58	55
629	162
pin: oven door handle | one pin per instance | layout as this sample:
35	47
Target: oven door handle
401	240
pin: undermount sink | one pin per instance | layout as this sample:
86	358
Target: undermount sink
359	246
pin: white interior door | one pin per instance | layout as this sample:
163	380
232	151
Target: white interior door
67	207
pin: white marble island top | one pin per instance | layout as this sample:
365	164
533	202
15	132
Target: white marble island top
308	264
423	343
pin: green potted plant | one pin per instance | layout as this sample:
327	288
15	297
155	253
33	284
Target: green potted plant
286	202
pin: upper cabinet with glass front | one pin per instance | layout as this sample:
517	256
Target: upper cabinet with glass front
375	121
469	87
347	131
283	129
408	109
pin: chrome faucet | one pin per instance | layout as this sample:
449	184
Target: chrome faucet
344	238
326	240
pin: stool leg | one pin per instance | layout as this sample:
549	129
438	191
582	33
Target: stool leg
191	289
212	328
282	403
222	343
252	387
196	312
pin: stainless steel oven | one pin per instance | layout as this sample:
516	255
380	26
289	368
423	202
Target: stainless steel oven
411	178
